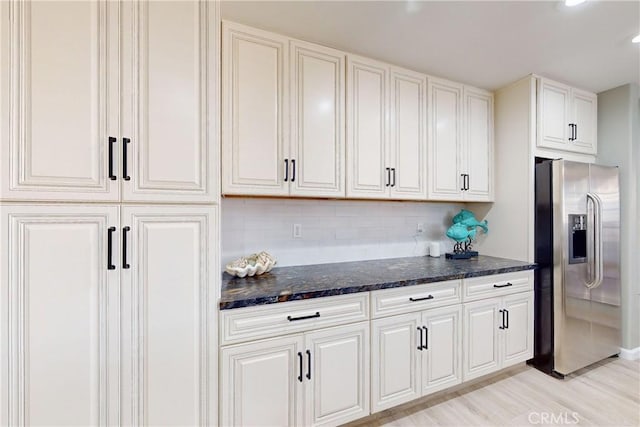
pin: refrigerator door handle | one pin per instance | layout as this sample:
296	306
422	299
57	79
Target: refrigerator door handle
598	267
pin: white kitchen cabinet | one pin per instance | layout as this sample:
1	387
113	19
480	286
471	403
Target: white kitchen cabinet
386	139
368	175
317	91
498	332
262	383
89	291
337	374
408	139
283	115
567	118
61	302
414	355
460	142
317	377
121	104
169	287
170	102
60	100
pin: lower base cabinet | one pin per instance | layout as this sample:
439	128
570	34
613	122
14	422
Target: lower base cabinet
414	355
316	378
498	332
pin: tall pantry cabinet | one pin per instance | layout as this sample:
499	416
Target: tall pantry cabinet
108	288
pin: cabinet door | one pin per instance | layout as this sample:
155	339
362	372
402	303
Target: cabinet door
171	101
60	309
585	117
169	317
478	144
441	361
518	336
59	100
317	120
262	383
445	145
367	133
396	355
481	338
408	142
337	374
254	144
553	114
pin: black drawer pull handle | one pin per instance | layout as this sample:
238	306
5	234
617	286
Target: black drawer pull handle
112	140
502	313
110	265
426	338
293	173
466	182
506	285
308	364
393	170
412	299
300	360
286	170
420	333
292	319
506	326
125	230
388	183
125	174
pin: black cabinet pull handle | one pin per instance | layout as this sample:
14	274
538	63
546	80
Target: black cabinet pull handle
300	364
110	231
466	182
125	230
293	319
420	333
286	170
308	364
412	299
125	173
506	326
393	170
426	338
506	285
463	181
575	131
502	313
112	140
293	166
388	183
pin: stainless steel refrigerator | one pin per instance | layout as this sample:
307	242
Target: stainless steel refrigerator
577	248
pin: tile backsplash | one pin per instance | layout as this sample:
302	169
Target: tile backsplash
332	230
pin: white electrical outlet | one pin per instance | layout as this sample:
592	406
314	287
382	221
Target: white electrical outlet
420	228
297	231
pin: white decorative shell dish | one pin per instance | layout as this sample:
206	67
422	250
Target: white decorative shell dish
252	265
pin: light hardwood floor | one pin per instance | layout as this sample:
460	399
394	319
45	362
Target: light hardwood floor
604	394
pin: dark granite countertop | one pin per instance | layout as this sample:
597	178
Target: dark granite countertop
322	280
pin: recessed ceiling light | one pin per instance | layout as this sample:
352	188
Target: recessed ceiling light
570	3
636	39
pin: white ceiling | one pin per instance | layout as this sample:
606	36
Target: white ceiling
486	44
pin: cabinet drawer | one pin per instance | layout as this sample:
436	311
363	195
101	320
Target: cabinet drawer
497	285
244	324
414	298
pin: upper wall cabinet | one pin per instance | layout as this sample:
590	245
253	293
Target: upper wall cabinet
125	93
567	118
460	142
386	138
283	115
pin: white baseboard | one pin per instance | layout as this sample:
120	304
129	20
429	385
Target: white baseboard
630	354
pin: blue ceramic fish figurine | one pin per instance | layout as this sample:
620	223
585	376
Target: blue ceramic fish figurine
467	218
460	232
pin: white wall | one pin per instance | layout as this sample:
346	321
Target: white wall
332	230
619	145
